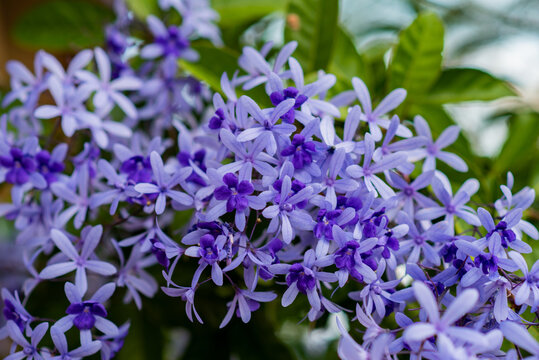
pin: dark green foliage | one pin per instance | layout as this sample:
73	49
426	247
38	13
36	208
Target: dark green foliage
62	25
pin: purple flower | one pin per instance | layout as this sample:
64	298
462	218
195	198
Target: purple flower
247	159
234	195
286	209
79	262
80	202
20	166
266	123
452	205
443	327
120	191
500	236
247	302
51	164
60	342
348	349
331	184
187	294
303	277
134	277
87	314
169	42
256	66
377	293
528	289
409	192
197	16
26	86
369	169
417	241
138	169
523	200
387	147
302	94
348	142
14	311
30	348
210	251
301	151
373	117
107	91
164	185
348	257
69	107
112	344
519	335
433	149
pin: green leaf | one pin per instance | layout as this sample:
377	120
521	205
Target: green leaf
234	12
62	25
519	153
418	56
461	84
213	62
313	24
143	8
346	62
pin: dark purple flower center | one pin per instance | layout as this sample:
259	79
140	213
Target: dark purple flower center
449	252
20	166
302	276
325	221
47	167
344	257
234	192
173	43
138	169
370	226
487	262
301	151
86	312
208	250
277	97
216	120
158	249
197	158
507	235
10	313
116	41
419	240
431	149
409	191
391	243
436	287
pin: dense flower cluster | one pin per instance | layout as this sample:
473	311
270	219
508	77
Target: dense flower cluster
312	192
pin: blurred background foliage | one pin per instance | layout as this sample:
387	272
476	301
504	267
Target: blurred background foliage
470	62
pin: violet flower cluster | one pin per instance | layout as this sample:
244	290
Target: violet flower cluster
294	197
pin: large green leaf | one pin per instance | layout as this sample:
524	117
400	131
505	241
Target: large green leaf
462	84
346	62
235	12
313	24
62	25
519	153
143	8
417	59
